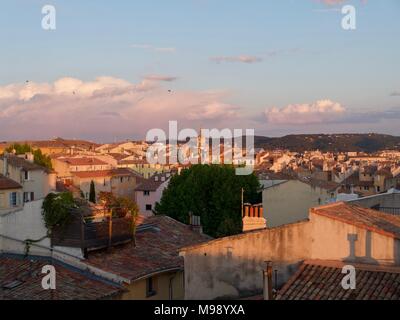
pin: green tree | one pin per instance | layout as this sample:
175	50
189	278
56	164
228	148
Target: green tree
120	207
19	148
56	209
42	159
92	192
212	192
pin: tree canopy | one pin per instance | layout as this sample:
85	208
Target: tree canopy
212	192
56	209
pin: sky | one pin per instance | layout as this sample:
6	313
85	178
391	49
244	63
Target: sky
112	70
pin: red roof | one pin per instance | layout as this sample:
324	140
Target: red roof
153	183
104	173
368	219
83	161
21	278
6	183
158	241
321	280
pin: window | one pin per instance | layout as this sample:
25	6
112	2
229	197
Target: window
146	193
148	207
121	179
2	204
150	287
26	175
29	196
14	199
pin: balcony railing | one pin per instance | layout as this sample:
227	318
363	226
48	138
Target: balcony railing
93	232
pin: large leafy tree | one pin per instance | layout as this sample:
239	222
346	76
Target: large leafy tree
56	209
19	148
42	159
212	192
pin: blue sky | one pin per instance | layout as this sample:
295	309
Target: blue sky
236	58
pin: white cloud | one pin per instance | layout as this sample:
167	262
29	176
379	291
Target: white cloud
241	59
159	77
214	110
318	112
153	48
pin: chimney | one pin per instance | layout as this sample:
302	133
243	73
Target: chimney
195	224
267	284
29	157
5	164
253	217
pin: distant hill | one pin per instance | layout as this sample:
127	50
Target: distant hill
330	142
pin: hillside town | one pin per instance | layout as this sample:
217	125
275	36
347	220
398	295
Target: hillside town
319	211
199	159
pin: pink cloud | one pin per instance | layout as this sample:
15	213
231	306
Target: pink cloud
241	59
308	113
103	109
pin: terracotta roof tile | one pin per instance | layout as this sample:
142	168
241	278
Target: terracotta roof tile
158	241
20	279
6	183
321	280
152	183
369	219
83	161
119	172
24	164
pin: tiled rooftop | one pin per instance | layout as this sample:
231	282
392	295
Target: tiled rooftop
152	183
327	185
322	280
158	241
83	161
369	219
24	164
21	278
119	172
6	183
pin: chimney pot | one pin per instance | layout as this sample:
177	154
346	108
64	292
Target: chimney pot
267	274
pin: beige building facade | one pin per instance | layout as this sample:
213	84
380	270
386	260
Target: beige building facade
233	267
